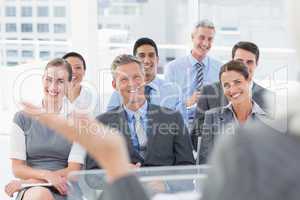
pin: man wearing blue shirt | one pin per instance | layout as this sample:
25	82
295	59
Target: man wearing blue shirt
156	136
193	71
158	91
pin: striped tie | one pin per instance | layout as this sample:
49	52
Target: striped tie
139	129
199	76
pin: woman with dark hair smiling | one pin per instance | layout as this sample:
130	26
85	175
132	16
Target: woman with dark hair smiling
80	96
235	80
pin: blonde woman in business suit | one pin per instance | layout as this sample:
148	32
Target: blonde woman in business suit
235	80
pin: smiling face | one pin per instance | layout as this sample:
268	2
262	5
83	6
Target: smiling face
236	87
55	84
146	53
129	82
248	58
202	39
78	71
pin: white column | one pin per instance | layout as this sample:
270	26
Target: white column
194	11
84	31
84	39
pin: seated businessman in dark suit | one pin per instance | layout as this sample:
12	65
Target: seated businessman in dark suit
155	136
212	95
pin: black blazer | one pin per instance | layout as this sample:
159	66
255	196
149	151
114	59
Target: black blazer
212	96
168	139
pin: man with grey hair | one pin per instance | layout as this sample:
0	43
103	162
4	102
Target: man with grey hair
156	136
196	69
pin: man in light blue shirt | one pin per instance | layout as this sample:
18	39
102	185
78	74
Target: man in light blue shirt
159	91
184	71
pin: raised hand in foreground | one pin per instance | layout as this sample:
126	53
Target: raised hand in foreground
103	143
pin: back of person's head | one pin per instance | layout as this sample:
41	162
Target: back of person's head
144	41
59	62
248	46
76	55
124	59
235	65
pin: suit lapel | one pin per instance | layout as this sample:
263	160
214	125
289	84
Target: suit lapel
224	119
226	116
124	123
151	119
135	156
124	128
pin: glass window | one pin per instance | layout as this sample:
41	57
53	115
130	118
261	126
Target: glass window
26	38
44	55
10	11
43	39
42	11
11	38
10	27
12	53
26	11
43	28
59	11
27	54
11	63
59	54
59	28
26	28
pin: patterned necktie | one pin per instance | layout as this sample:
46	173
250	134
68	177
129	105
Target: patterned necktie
147	92
199	76
139	129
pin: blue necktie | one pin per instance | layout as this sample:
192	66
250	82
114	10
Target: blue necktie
147	92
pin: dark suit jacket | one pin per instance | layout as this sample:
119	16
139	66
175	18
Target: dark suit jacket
168	139
212	96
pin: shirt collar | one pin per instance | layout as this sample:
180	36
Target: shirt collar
256	109
194	61
142	110
154	83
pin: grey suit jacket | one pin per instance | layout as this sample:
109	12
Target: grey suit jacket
212	96
262	164
221	121
168	139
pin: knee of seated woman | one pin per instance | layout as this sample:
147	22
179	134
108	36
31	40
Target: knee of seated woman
38	193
